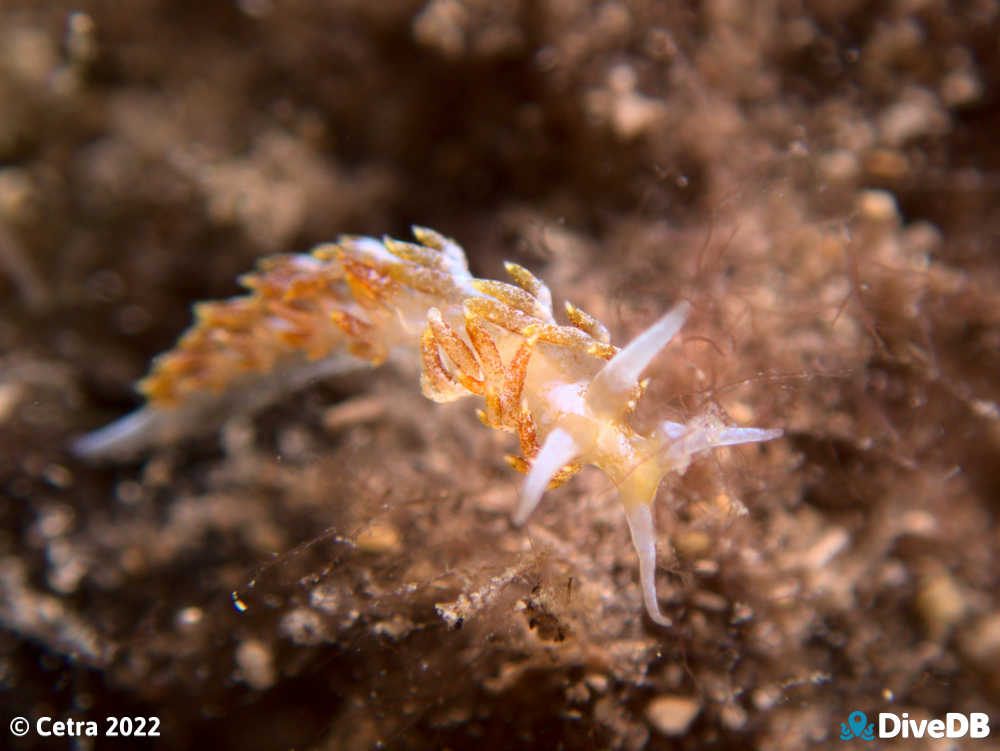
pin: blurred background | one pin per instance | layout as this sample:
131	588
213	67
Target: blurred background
818	178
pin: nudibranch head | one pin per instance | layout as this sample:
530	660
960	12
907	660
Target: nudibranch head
592	428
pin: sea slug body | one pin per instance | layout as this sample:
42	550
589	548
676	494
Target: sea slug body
565	390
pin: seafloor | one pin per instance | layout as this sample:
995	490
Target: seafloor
820	179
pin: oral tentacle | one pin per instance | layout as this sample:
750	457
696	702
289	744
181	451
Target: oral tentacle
640	524
558	450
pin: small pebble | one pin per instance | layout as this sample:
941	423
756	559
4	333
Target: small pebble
256	663
672	715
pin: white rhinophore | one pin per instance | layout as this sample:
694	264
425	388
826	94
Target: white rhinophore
704	433
613	387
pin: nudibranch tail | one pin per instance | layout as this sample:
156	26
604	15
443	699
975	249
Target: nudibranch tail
122	432
156	425
563	389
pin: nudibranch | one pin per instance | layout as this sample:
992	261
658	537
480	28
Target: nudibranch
563	389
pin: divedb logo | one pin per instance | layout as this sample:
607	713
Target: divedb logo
891	725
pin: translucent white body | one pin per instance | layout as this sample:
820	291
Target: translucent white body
564	389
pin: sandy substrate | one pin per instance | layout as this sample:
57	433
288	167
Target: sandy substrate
339	570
